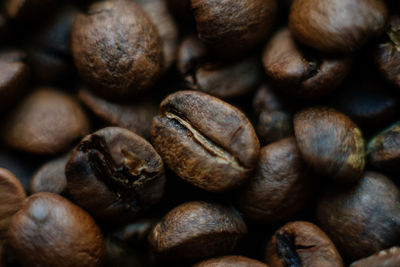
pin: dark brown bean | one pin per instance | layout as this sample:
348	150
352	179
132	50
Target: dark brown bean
229	34
45	122
205	141
385	258
362	219
302	244
230	261
274	116
337	25
191	53
387	55
114	174
281	186
330	143
301	72
116	49
196	230
135	115
383	150
49	230
51	177
14	77
12	195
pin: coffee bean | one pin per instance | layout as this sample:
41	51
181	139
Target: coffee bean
12	195
228	34
116	49
134	115
330	143
385	258
46	122
302	72
191	54
337	26
51	177
14	77
274	117
49	230
205	141
196	230
383	150
230	261
114	174
157	11
302	244
281	186
387	55
362	219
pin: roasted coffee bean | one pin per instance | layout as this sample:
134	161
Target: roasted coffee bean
157	11
362	219
302	244
274	117
367	101
12	195
387	55
114	174
205	141
23	10
116	49
116	254
135	115
330	143
191	54
383	150
301	72
49	47
337	26
14	77
385	258
281	186
196	230
49	230
46	122
134	234
51	177
230	261
233	27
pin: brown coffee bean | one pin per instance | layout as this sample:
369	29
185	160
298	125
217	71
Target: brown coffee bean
301	72
191	53
45	122
49	230
362	219
205	141
134	234
135	116
12	195
14	77
281	186
387	55
330	143
227	80
302	244
337	26
116	49
383	150
157	11
274	117
385	258
228	34
114	174
23	10
230	261
51	177
196	230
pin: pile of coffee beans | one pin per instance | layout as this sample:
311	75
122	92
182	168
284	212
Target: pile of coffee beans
205	133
